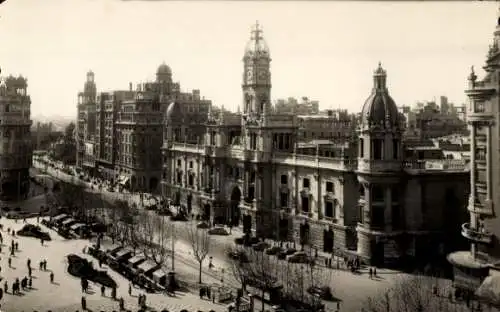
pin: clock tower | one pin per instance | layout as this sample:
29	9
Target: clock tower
256	76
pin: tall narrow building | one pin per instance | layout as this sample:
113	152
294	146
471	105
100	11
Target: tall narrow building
15	138
482	231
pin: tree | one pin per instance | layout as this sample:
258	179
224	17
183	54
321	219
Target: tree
413	294
124	223
70	196
155	232
256	269
200	244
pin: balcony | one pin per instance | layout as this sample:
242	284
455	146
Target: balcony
365	165
479	236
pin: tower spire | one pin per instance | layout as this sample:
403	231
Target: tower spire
257	33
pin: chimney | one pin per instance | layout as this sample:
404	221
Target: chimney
130	86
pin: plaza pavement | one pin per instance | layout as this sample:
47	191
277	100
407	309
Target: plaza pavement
65	294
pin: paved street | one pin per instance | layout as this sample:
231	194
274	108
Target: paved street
65	294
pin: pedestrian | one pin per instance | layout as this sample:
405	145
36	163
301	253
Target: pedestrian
30	282
51	277
144	301
6	287
139	300
1	294
84	303
113	293
103	290
375	272
45	264
130	289
40	265
29	271
122	304
371	273
28	263
41	241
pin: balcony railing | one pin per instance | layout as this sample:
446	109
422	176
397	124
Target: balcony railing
477	235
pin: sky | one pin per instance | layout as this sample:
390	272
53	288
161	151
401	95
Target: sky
325	50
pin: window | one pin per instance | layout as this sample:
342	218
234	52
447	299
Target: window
395	148
251	192
191	180
395	195
179	177
378	217
284	179
191	164
329	210
377	149
377	193
305	183
361	148
283	199
329	187
305	204
179	162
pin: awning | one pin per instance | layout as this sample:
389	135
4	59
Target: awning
60	217
123	179
136	259
147	266
68	221
76	226
125	251
159	274
490	290
113	248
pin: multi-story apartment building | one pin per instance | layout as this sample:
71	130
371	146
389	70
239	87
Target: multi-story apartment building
15	138
120	132
293	106
337	126
482	230
252	170
86	125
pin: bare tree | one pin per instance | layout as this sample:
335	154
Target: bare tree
200	244
414	294
124	222
155	236
256	269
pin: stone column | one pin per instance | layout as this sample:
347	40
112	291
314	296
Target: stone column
319	199
472	200
489	185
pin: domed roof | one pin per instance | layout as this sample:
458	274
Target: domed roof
257	46
164	69
380	108
173	110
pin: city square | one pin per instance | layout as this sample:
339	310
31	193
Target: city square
287	172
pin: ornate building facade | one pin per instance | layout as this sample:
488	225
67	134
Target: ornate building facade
252	170
15	138
482	229
120	132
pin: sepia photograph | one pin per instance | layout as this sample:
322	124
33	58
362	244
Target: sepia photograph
241	156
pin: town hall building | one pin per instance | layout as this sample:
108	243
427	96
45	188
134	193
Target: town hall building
361	197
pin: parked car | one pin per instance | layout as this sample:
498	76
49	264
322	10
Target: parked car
250	240
203	225
274	250
238	255
325	293
261	246
299	257
218	230
286	252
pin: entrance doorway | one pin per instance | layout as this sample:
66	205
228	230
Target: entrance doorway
234	209
206	212
9	189
328	241
377	251
304	234
153	184
283	230
247	224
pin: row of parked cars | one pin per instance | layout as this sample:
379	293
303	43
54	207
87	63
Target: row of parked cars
134	266
287	253
71	227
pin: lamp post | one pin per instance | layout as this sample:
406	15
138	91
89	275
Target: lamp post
173	245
